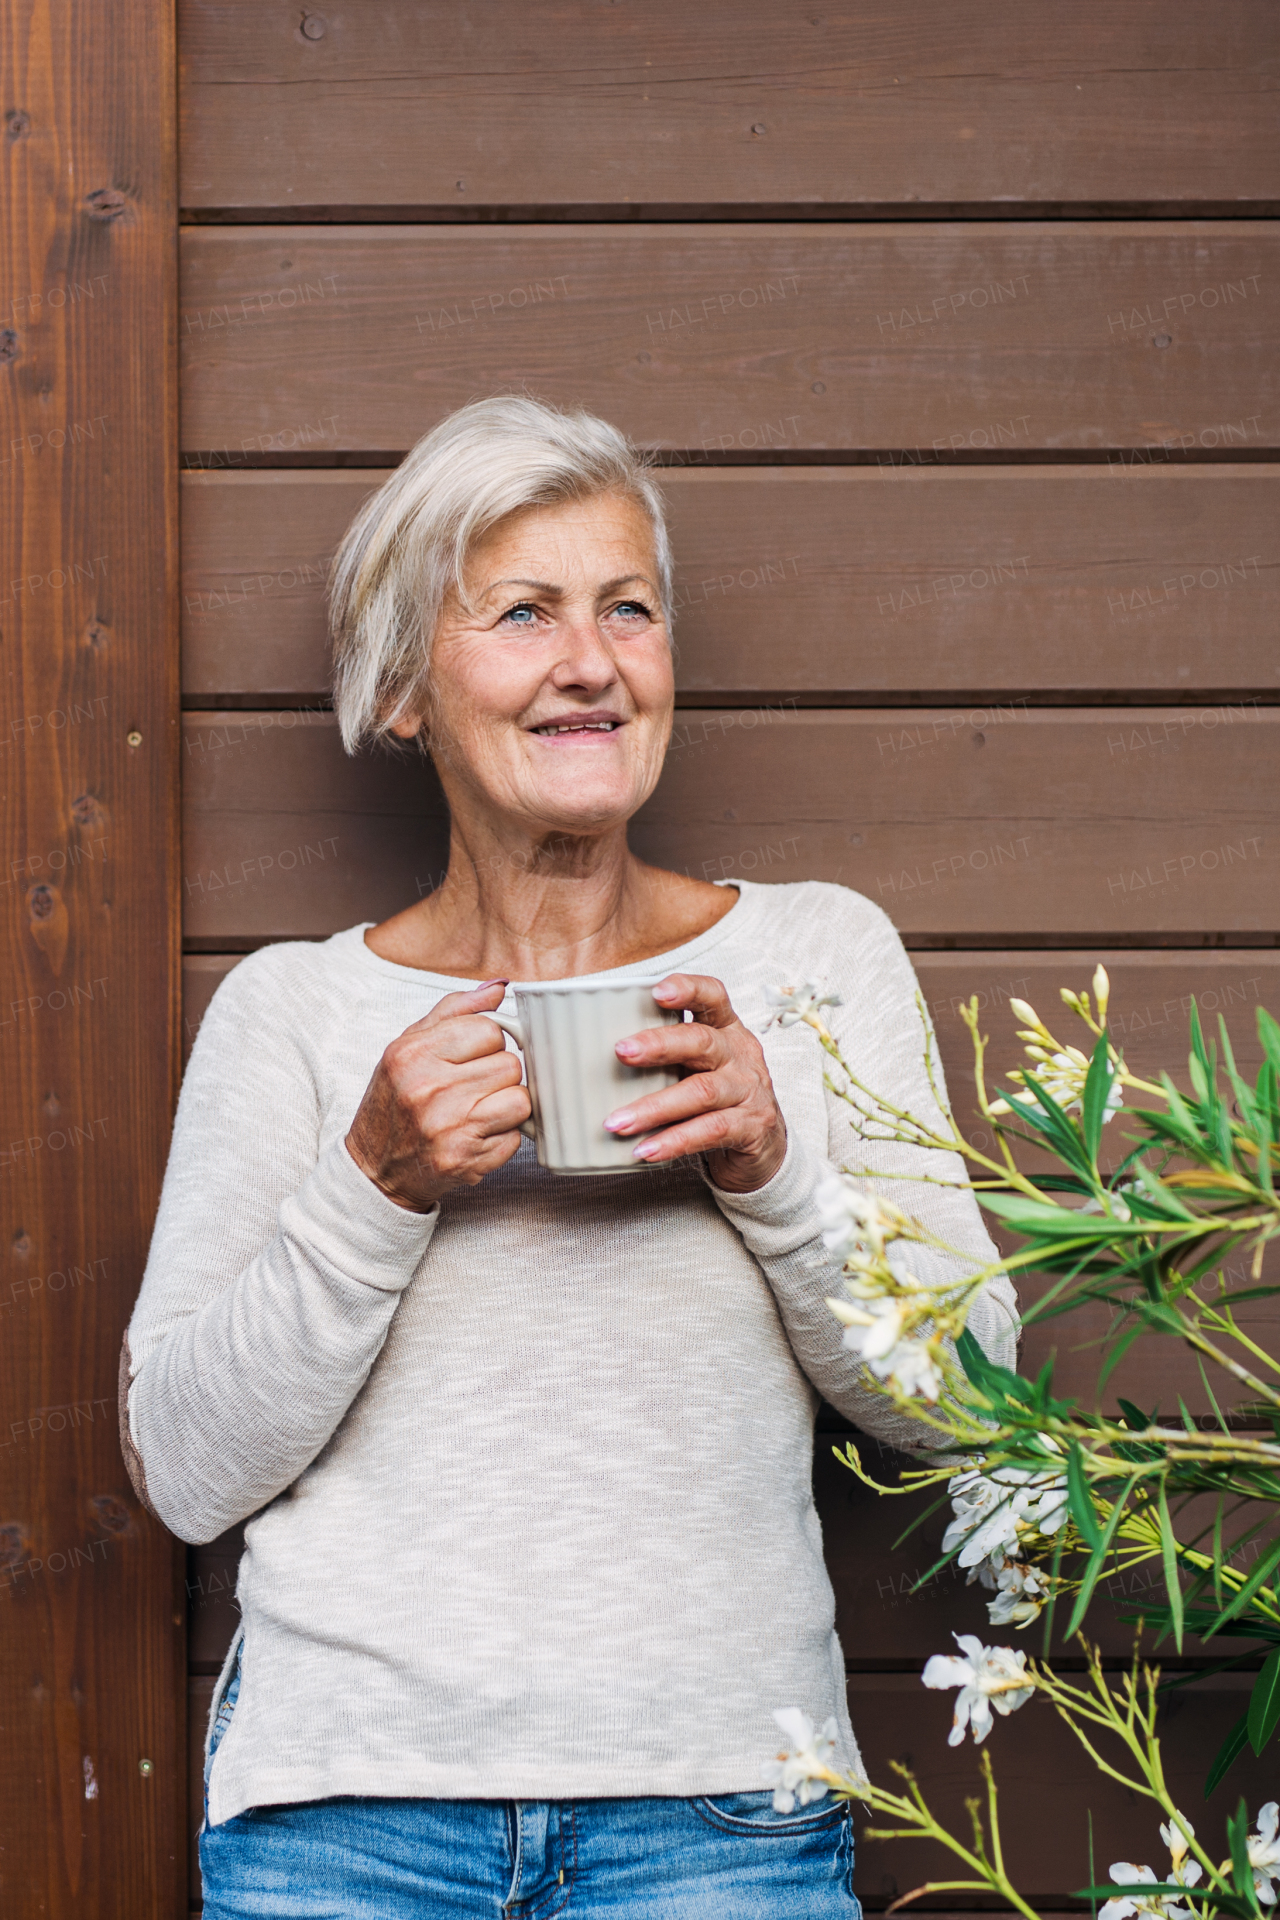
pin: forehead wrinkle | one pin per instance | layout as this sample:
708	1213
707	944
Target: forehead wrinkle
548	587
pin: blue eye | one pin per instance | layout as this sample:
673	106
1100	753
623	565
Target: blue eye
632	607
523	615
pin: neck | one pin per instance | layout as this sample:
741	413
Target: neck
536	906
545	905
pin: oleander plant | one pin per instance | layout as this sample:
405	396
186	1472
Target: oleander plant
1049	1498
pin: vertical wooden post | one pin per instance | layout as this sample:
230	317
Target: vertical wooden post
91	1633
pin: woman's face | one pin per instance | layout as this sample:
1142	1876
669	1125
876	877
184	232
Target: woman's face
553	690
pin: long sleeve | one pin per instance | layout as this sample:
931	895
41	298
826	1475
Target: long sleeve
274	1271
880	1033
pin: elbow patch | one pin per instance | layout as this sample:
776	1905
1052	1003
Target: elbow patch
132	1458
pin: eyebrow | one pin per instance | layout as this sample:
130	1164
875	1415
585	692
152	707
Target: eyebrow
545	586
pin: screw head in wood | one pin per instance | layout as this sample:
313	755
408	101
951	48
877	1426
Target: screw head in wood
134	739
314	26
146	1769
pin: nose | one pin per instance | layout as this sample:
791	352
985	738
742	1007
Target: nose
585	664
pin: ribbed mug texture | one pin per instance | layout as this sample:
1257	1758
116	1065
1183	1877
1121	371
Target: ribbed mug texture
575	1077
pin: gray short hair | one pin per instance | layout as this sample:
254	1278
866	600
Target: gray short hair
410	541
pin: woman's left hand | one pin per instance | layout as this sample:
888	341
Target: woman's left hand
723	1107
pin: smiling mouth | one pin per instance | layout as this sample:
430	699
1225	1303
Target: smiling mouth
577	726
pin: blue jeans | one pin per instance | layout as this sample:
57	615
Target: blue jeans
730	1857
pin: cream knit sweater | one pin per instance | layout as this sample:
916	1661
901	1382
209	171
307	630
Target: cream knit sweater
529	1475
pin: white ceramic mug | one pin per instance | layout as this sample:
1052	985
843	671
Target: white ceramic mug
567	1033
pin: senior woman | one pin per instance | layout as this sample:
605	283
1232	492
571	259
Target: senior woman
531	1553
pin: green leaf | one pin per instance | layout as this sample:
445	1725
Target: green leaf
1266	1566
1042	1220
1169	1553
1228	1753
1197	1040
1080	1499
975	1362
1269	1035
1136	1418
1097	1559
1238	1835
1264	1703
1243	1093
1117	1354
1097	1086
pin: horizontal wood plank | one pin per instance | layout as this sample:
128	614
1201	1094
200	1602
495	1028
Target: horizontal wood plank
823	580
725	338
1071	822
731	101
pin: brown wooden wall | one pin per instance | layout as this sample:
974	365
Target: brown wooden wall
955	326
93	1748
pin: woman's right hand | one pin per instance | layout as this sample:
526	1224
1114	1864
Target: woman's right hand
444	1106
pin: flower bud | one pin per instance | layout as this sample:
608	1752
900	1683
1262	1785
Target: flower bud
1102	992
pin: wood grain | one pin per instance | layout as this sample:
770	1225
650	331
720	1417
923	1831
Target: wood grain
822	580
731	101
91	1766
964	338
1076	822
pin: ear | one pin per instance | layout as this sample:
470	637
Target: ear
408	727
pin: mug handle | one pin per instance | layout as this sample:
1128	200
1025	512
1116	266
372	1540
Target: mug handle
516	1031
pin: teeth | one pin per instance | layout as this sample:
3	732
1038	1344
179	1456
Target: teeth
586	726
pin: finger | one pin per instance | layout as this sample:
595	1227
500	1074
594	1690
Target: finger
716	1132
690	1045
461	1036
467	1036
485	998
700	994
503	1112
700	1093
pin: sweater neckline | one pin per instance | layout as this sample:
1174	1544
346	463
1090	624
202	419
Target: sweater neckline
351	943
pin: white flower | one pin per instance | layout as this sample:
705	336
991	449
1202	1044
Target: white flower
1264	1853
797	1003
873	1330
1179	1833
986	1676
911	1368
1127	1905
1020	1596
797	1772
875	1333
854	1221
991	1507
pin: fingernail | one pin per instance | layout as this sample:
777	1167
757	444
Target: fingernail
626	1049
665	992
618	1122
492	983
646	1150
